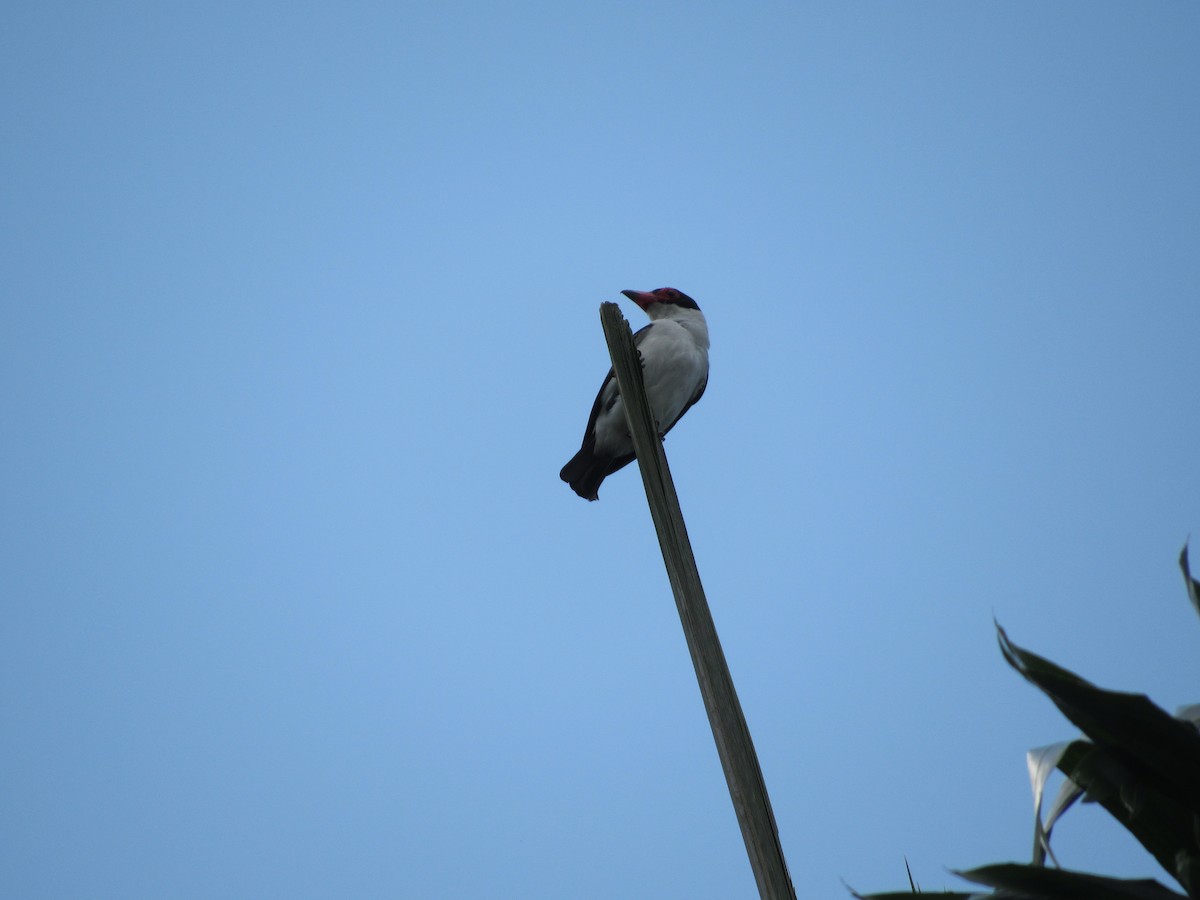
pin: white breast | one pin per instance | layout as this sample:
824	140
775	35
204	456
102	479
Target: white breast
676	365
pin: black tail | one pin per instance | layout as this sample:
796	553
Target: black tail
586	471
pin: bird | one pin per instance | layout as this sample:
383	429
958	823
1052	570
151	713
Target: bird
674	354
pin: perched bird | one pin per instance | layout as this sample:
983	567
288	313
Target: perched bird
674	352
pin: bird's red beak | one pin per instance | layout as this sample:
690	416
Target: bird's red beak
641	298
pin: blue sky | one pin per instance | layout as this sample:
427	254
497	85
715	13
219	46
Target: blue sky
300	322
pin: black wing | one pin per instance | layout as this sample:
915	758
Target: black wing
638	337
